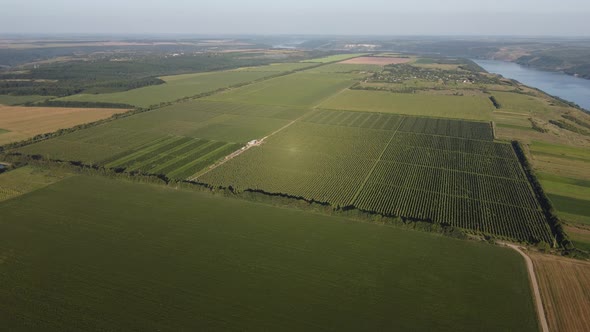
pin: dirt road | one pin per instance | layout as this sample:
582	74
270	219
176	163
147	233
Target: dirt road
244	149
534	285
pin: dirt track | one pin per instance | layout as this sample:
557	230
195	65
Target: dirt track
535	286
244	149
564	284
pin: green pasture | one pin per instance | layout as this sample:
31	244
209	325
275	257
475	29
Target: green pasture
217	121
462	107
561	151
301	89
337	57
279	67
176	87
99	254
26	179
520	103
17	100
346	68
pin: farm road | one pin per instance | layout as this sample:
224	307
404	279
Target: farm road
534	284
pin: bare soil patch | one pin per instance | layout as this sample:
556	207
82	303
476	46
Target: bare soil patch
376	60
25	122
565	289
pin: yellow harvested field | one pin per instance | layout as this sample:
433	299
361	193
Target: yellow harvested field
376	60
565	288
19	123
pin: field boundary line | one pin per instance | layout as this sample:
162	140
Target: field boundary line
534	285
317	106
358	192
248	147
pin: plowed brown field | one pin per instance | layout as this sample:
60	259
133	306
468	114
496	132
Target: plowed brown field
24	122
565	289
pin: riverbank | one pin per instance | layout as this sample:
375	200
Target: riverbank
569	88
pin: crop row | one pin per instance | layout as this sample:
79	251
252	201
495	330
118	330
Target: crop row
243	109
490	218
485	165
191	167
356	119
485	148
474	184
316	176
332	140
174	156
460	184
448	127
411	124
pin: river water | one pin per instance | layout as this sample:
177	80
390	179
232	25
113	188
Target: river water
564	86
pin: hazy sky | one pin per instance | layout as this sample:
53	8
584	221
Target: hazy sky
384	17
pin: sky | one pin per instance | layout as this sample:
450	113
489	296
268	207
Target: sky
314	17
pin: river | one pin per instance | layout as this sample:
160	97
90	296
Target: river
564	86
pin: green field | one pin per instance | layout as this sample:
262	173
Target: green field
303	89
561	151
462	107
334	58
580	237
108	259
571	205
337	157
511	126
440	170
278	67
3	131
176	87
520	103
566	189
512	120
17	100
346	68
563	180
177	140
569	195
581	244
175	157
27	179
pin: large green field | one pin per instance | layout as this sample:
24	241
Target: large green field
375	162
346	68
560	150
26	179
520	103
334	58
279	67
570	195
461	107
304	89
176	87
16	100
440	170
97	254
177	140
